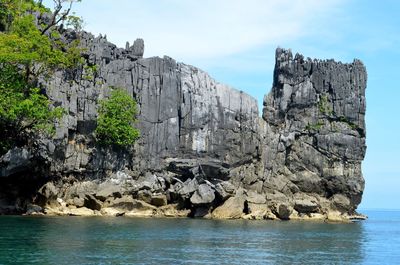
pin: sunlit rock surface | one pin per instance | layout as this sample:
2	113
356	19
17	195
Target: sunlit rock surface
204	150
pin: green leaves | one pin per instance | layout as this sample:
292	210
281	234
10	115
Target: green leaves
324	105
35	111
25	44
29	49
16	50
24	115
32	112
11	9
117	116
74	22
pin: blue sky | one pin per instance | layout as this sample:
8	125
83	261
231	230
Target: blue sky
235	41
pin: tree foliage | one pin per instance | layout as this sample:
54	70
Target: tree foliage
28	49
22	112
11	9
34	45
116	119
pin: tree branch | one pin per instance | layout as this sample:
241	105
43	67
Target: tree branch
57	10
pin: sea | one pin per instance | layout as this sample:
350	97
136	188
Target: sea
123	240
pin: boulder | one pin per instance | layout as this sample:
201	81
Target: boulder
80	189
92	203
145	195
276	197
158	200
340	202
106	190
260	211
149	182
283	211
306	204
47	194
186	189
78	201
83	211
225	189
256	198
203	195
232	208
336	216
127	204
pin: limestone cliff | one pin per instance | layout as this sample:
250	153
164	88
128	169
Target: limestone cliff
204	150
315	138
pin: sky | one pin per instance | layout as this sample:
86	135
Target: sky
235	41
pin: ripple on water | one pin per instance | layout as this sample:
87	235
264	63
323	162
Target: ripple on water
75	240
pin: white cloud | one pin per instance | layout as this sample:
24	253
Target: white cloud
192	30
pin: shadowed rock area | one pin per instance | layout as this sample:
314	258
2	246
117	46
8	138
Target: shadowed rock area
204	151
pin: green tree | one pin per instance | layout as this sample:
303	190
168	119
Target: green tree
29	49
23	113
33	46
116	119
10	9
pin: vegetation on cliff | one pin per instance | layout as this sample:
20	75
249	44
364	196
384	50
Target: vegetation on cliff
26	52
115	122
24	110
31	40
32	46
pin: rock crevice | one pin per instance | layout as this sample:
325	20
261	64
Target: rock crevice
204	150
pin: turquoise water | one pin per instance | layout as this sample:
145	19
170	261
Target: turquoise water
100	240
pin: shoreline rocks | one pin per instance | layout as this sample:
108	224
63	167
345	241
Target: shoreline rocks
236	207
204	151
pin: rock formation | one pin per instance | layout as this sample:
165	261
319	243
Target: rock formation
204	151
315	133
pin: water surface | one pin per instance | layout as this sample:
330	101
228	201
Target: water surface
101	240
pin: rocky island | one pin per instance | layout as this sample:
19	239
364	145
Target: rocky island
204	149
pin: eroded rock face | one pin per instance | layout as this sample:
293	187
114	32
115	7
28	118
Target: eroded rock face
203	147
183	115
315	138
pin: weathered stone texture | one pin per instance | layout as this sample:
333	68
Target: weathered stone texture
183	113
315	138
203	145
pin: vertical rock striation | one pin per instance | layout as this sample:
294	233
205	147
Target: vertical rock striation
203	150
315	140
183	113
